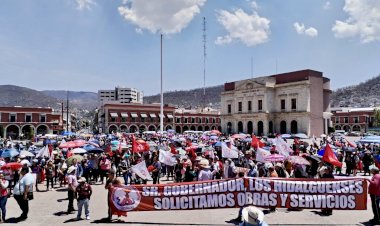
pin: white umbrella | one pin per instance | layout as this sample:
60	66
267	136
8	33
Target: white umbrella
79	151
27	153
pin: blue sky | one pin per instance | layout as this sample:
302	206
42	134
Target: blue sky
86	45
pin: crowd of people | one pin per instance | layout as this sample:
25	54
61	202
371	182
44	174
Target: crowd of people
198	157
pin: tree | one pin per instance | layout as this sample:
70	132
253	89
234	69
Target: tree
376	115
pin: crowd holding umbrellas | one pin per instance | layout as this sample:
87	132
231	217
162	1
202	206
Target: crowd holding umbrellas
185	157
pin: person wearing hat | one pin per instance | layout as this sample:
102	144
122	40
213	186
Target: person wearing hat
374	193
205	172
49	172
83	193
252	216
3	196
72	184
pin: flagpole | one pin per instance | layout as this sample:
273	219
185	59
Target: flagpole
162	98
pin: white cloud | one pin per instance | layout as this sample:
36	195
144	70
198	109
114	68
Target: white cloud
312	32
251	29
363	21
300	29
139	30
327	5
166	16
84	4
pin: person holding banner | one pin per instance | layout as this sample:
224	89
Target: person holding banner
156	171
374	193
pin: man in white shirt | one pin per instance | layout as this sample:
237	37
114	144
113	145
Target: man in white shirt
72	183
21	190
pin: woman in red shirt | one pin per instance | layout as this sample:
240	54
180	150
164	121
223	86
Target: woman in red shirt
374	193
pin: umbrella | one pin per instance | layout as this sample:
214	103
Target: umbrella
9	153
286	136
69	144
93	143
67	133
214	137
301	136
218	144
79	158
298	160
216	132
79	151
275	158
12	165
170	131
27	153
89	147
95	151
314	158
24	161
239	136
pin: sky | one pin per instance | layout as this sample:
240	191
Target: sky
87	45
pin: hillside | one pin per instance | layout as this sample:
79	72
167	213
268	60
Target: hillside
82	100
11	95
191	98
365	94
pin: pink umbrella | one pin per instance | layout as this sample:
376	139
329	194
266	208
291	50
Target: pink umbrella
275	158
294	159
239	136
69	144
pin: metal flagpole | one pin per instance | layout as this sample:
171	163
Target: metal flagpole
162	98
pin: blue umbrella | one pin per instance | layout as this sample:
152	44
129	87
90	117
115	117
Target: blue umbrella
67	133
214	137
88	147
170	131
218	144
9	153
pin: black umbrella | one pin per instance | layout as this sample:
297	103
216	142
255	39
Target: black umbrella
95	151
314	158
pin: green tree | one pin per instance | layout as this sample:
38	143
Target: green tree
376	115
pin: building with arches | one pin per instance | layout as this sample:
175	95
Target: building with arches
353	119
294	102
25	122
197	120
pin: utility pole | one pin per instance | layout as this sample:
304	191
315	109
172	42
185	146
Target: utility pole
162	97
67	111
204	61
62	115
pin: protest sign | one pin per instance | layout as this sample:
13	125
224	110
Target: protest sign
343	194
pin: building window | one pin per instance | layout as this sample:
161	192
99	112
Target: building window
206	121
240	106
200	120
192	120
12	117
42	118
356	119
185	120
229	109
345	119
28	118
260	105
283	104
113	119
214	120
294	104
142	119
178	120
249	105
336	119
133	119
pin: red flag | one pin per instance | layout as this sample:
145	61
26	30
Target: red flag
351	144
256	143
108	150
296	141
139	145
330	157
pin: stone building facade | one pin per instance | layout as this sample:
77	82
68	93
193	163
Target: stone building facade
294	102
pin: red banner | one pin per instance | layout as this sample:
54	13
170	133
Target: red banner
343	194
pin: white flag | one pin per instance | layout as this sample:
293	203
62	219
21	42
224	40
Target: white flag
141	170
229	153
167	158
261	154
282	147
43	152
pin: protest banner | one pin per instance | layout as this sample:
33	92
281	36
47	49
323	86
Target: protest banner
343	194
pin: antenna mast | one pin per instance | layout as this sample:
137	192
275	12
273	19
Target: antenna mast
204	61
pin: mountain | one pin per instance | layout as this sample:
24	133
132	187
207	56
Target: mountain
191	98
11	95
81	100
365	94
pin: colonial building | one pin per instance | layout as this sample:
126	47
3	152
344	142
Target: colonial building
17	122
294	102
134	117
146	117
197	120
353	119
